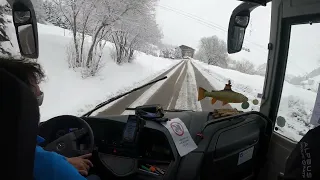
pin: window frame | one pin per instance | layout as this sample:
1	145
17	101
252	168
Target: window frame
285	35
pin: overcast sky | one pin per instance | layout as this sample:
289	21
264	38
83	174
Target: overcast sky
178	20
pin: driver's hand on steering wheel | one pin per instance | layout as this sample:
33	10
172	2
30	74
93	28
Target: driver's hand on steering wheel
81	163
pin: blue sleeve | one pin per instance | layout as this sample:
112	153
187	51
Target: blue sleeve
52	166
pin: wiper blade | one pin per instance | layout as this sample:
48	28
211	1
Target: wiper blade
178	110
169	110
120	96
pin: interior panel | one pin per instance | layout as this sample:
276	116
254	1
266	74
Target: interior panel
279	150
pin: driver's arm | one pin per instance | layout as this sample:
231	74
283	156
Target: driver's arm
52	166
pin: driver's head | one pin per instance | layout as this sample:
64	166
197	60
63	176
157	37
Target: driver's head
28	71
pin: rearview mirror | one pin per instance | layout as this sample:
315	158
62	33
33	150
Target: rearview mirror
238	23
236	32
25	23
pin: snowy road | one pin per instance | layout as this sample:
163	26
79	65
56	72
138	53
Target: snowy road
178	91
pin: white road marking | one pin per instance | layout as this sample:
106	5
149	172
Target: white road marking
150	92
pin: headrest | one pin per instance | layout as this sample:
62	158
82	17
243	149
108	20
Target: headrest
19	114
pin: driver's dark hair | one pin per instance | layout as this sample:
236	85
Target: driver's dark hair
24	69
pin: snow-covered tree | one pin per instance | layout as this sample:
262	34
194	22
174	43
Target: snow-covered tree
168	52
7	9
129	24
261	70
151	50
136	30
213	50
245	66
76	15
144	36
54	15
39	10
177	53
3	35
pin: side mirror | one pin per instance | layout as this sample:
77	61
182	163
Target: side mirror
24	20
238	23
237	28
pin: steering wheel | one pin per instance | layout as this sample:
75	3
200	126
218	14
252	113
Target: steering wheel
67	144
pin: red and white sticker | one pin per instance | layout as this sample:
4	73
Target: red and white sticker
177	128
181	136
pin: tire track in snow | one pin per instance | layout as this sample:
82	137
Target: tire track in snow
150	96
188	96
119	106
178	87
165	92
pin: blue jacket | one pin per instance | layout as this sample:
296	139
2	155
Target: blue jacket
52	166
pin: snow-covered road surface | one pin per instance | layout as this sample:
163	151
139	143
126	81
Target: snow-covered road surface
189	93
178	91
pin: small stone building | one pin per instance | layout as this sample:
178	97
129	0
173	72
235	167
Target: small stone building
186	51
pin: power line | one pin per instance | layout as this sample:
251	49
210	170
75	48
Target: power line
212	25
206	23
194	17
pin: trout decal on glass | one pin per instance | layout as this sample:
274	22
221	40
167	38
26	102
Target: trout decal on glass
226	95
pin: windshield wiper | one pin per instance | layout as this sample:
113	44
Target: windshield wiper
178	110
169	110
120	96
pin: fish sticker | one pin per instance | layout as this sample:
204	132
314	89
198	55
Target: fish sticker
226	95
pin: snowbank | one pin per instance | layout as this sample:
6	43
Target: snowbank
66	92
296	103
311	84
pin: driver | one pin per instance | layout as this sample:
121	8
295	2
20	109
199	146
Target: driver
47	165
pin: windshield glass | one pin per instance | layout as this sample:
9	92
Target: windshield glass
94	50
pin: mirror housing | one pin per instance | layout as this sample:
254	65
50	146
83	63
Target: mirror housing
25	23
238	23
261	2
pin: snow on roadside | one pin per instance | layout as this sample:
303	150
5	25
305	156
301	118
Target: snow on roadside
65	92
186	99
296	104
151	91
135	85
311	84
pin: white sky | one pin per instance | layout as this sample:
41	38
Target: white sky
304	49
179	29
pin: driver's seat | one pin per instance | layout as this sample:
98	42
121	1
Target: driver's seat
20	116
